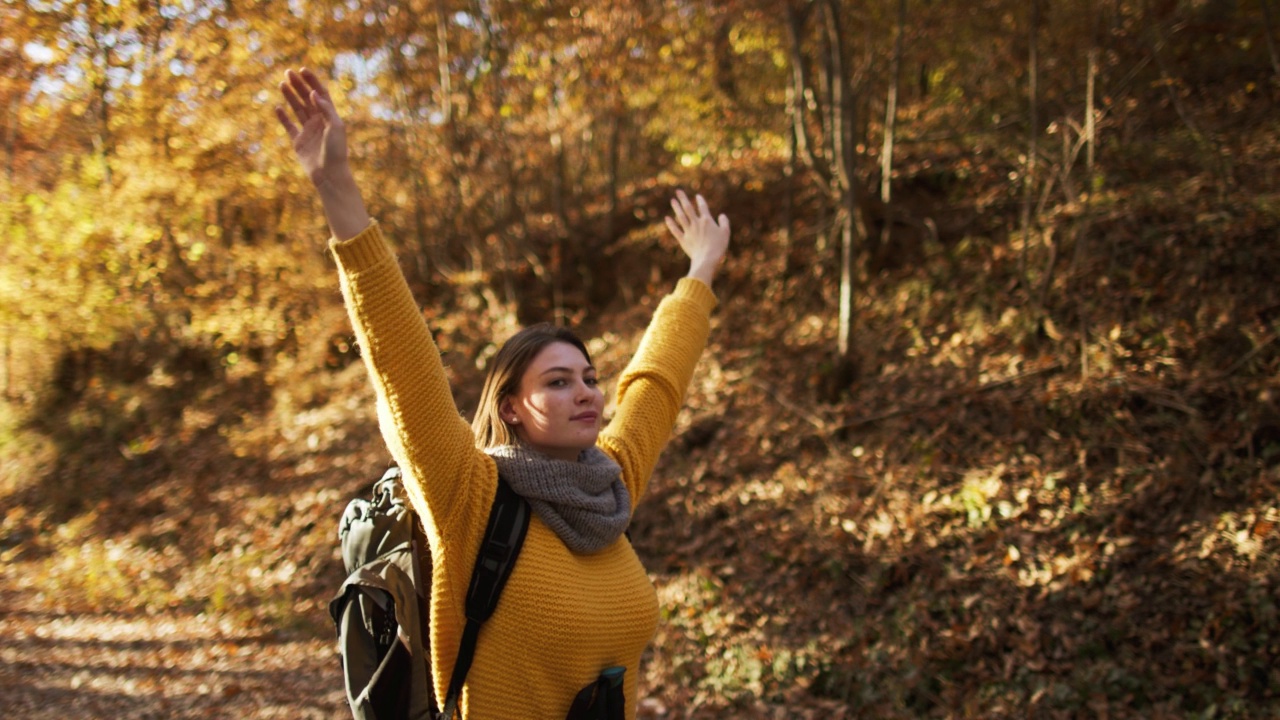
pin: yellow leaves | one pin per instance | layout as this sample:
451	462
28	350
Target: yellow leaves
981	485
1249	537
1051	329
1265	524
1012	555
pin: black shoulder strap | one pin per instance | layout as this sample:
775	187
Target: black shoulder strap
503	537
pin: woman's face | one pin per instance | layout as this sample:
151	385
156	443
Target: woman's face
557	410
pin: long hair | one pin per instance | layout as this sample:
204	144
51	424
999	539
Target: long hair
503	379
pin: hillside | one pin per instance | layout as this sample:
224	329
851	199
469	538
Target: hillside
986	522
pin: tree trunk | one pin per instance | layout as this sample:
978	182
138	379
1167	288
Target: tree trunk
1090	132
559	201
412	158
1210	149
1033	135
890	124
853	229
11	138
1090	129
827	72
8	368
453	203
789	191
838	173
844	344
442	65
615	141
801	97
11	163
1266	29
1090	122
102	137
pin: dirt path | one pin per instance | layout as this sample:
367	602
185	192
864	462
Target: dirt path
55	665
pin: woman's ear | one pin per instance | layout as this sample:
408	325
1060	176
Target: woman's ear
507	410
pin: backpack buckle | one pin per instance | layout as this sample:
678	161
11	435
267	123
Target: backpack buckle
494	554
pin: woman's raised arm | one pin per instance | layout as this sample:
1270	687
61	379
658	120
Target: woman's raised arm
320	143
652	388
446	477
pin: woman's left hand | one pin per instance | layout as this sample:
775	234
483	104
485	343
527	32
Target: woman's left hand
703	238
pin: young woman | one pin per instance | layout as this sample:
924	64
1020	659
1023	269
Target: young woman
579	600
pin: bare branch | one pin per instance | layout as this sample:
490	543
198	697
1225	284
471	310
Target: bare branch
800	81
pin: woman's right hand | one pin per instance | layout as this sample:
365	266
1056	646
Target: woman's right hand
319	137
320	143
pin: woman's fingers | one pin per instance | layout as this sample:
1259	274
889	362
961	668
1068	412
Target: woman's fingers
325	107
313	83
703	210
301	90
689	217
681	216
308	97
289	127
300	110
690	211
316	89
675	229
301	87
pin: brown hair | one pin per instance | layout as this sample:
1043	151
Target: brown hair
503	379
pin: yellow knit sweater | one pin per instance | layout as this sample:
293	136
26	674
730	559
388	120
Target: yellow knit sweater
563	617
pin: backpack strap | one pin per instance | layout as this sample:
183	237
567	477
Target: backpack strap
503	537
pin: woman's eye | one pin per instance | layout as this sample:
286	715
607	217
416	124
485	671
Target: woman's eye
592	381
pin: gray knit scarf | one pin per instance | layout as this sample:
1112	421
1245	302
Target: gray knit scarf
584	502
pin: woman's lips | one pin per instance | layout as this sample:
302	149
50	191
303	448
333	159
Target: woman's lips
585	417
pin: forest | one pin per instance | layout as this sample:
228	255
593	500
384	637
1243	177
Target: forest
988	426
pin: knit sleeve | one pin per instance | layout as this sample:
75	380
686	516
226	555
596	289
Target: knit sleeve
652	388
448	480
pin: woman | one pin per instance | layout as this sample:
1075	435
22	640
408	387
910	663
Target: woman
579	600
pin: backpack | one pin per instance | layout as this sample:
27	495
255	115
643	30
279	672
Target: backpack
381	611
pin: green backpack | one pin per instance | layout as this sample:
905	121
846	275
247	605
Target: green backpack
381	611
